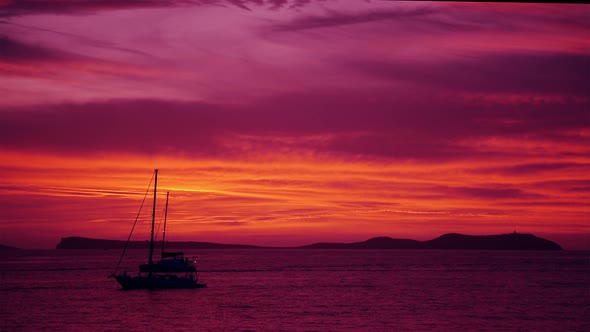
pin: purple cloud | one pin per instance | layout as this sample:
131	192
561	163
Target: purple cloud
12	50
432	18
575	186
124	126
31	7
12	45
335	19
490	192
530	168
364	124
28	7
539	73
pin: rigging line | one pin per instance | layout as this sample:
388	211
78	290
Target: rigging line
134	223
159	224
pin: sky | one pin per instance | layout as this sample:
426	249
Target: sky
289	122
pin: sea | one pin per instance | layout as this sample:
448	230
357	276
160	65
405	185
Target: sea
302	290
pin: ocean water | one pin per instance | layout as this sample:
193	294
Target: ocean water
303	290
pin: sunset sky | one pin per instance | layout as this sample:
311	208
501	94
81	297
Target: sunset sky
288	122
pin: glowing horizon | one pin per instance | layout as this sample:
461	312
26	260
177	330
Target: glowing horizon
291	122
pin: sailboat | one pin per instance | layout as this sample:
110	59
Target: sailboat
173	270
169	261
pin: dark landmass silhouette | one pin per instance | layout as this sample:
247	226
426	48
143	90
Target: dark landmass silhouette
76	242
3	247
374	243
512	241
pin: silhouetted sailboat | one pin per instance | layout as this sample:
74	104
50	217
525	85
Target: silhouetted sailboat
173	270
169	261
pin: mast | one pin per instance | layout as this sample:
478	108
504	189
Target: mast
153	216
165	218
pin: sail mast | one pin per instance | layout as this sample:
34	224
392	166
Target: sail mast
165	218
153	216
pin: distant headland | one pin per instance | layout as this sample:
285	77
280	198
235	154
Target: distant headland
76	242
3	247
512	241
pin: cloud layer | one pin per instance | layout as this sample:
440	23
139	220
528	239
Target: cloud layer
294	119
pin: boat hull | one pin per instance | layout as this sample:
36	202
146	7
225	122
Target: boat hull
157	282
168	266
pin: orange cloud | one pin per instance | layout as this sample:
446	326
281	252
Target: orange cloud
223	199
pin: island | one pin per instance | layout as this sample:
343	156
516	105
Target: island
3	247
511	241
76	242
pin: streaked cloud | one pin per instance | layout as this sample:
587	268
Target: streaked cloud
288	122
63	7
532	73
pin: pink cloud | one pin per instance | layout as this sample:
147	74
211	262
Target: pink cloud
367	123
31	7
297	117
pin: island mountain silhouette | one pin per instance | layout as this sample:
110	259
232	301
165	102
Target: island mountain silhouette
512	241
3	247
